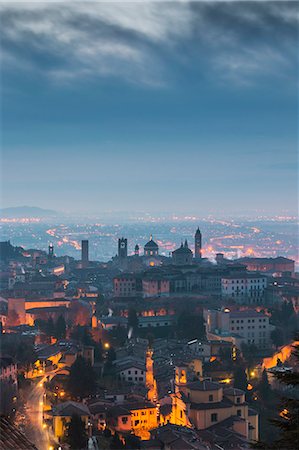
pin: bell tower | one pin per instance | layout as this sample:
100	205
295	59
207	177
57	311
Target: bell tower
51	251
151	384
122	248
197	239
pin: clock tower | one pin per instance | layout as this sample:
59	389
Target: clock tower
122	248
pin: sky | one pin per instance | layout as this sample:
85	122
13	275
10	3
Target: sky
150	106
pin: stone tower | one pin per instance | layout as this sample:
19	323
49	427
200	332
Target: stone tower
197	239
122	248
149	378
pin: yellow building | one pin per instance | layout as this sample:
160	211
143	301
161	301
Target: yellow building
118	420
62	415
209	404
144	418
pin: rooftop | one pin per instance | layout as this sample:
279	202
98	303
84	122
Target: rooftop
203	386
67	409
11	437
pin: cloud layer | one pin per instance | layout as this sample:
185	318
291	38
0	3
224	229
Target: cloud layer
149	43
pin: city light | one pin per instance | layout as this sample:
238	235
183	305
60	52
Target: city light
284	413
107	345
226	380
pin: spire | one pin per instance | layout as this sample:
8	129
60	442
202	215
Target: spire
186	243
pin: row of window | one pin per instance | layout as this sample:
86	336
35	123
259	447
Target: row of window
136	372
143	413
252	288
248	320
136	378
248	327
255	280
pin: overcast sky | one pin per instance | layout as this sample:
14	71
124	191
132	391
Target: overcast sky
179	107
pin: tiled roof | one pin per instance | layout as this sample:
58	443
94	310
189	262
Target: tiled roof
213	405
233	391
204	386
117	411
11	438
67	409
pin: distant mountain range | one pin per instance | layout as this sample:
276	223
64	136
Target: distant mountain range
27	211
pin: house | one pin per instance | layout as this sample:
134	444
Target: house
143	418
119	420
244	288
248	326
175	437
210	404
132	371
8	384
62	415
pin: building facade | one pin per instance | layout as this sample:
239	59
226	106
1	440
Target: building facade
244	287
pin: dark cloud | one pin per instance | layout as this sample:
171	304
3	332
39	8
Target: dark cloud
230	40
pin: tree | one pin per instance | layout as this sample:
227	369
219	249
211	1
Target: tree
41	324
21	348
109	368
132	442
76	435
132	320
240	378
116	443
81	381
287	420
50	327
81	333
111	355
98	352
190	326
264	387
277	337
60	328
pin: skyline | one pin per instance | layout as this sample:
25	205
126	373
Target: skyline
150	107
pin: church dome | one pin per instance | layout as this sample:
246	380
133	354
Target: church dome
151	244
183	249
